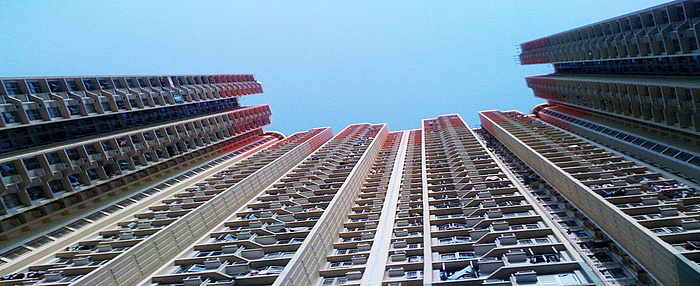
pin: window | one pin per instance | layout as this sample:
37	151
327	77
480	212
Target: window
89	84
346	251
209	253
105	83
90	108
532	226
415	259
33	114
74	180
415	246
106	145
123	165
73	154
92	174
341	264
525	241
73	110
54	86
54	112
56	186
72	85
31	163
414	274
12	88
35	193
542	240
106	107
53	158
90	149
34	87
274	255
334	281
11	116
12	200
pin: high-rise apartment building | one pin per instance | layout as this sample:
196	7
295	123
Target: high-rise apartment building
632	81
73	145
619	138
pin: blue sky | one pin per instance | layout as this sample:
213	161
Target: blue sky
323	63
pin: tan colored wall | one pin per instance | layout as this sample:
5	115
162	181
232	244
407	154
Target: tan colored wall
311	256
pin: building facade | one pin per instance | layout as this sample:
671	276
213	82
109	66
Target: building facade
619	136
432	206
72	145
636	75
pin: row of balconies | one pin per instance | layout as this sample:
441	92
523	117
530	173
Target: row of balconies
81	222
347	262
45	176
108	244
455	215
183	136
61	200
627	192
61	93
574	225
659	203
277	221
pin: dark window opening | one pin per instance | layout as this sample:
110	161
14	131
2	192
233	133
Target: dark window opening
54	112
89	85
31	163
90	149
36	193
53	158
56	186
34	87
73	154
12	88
12	201
8	169
92	174
72	85
33	114
11	116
